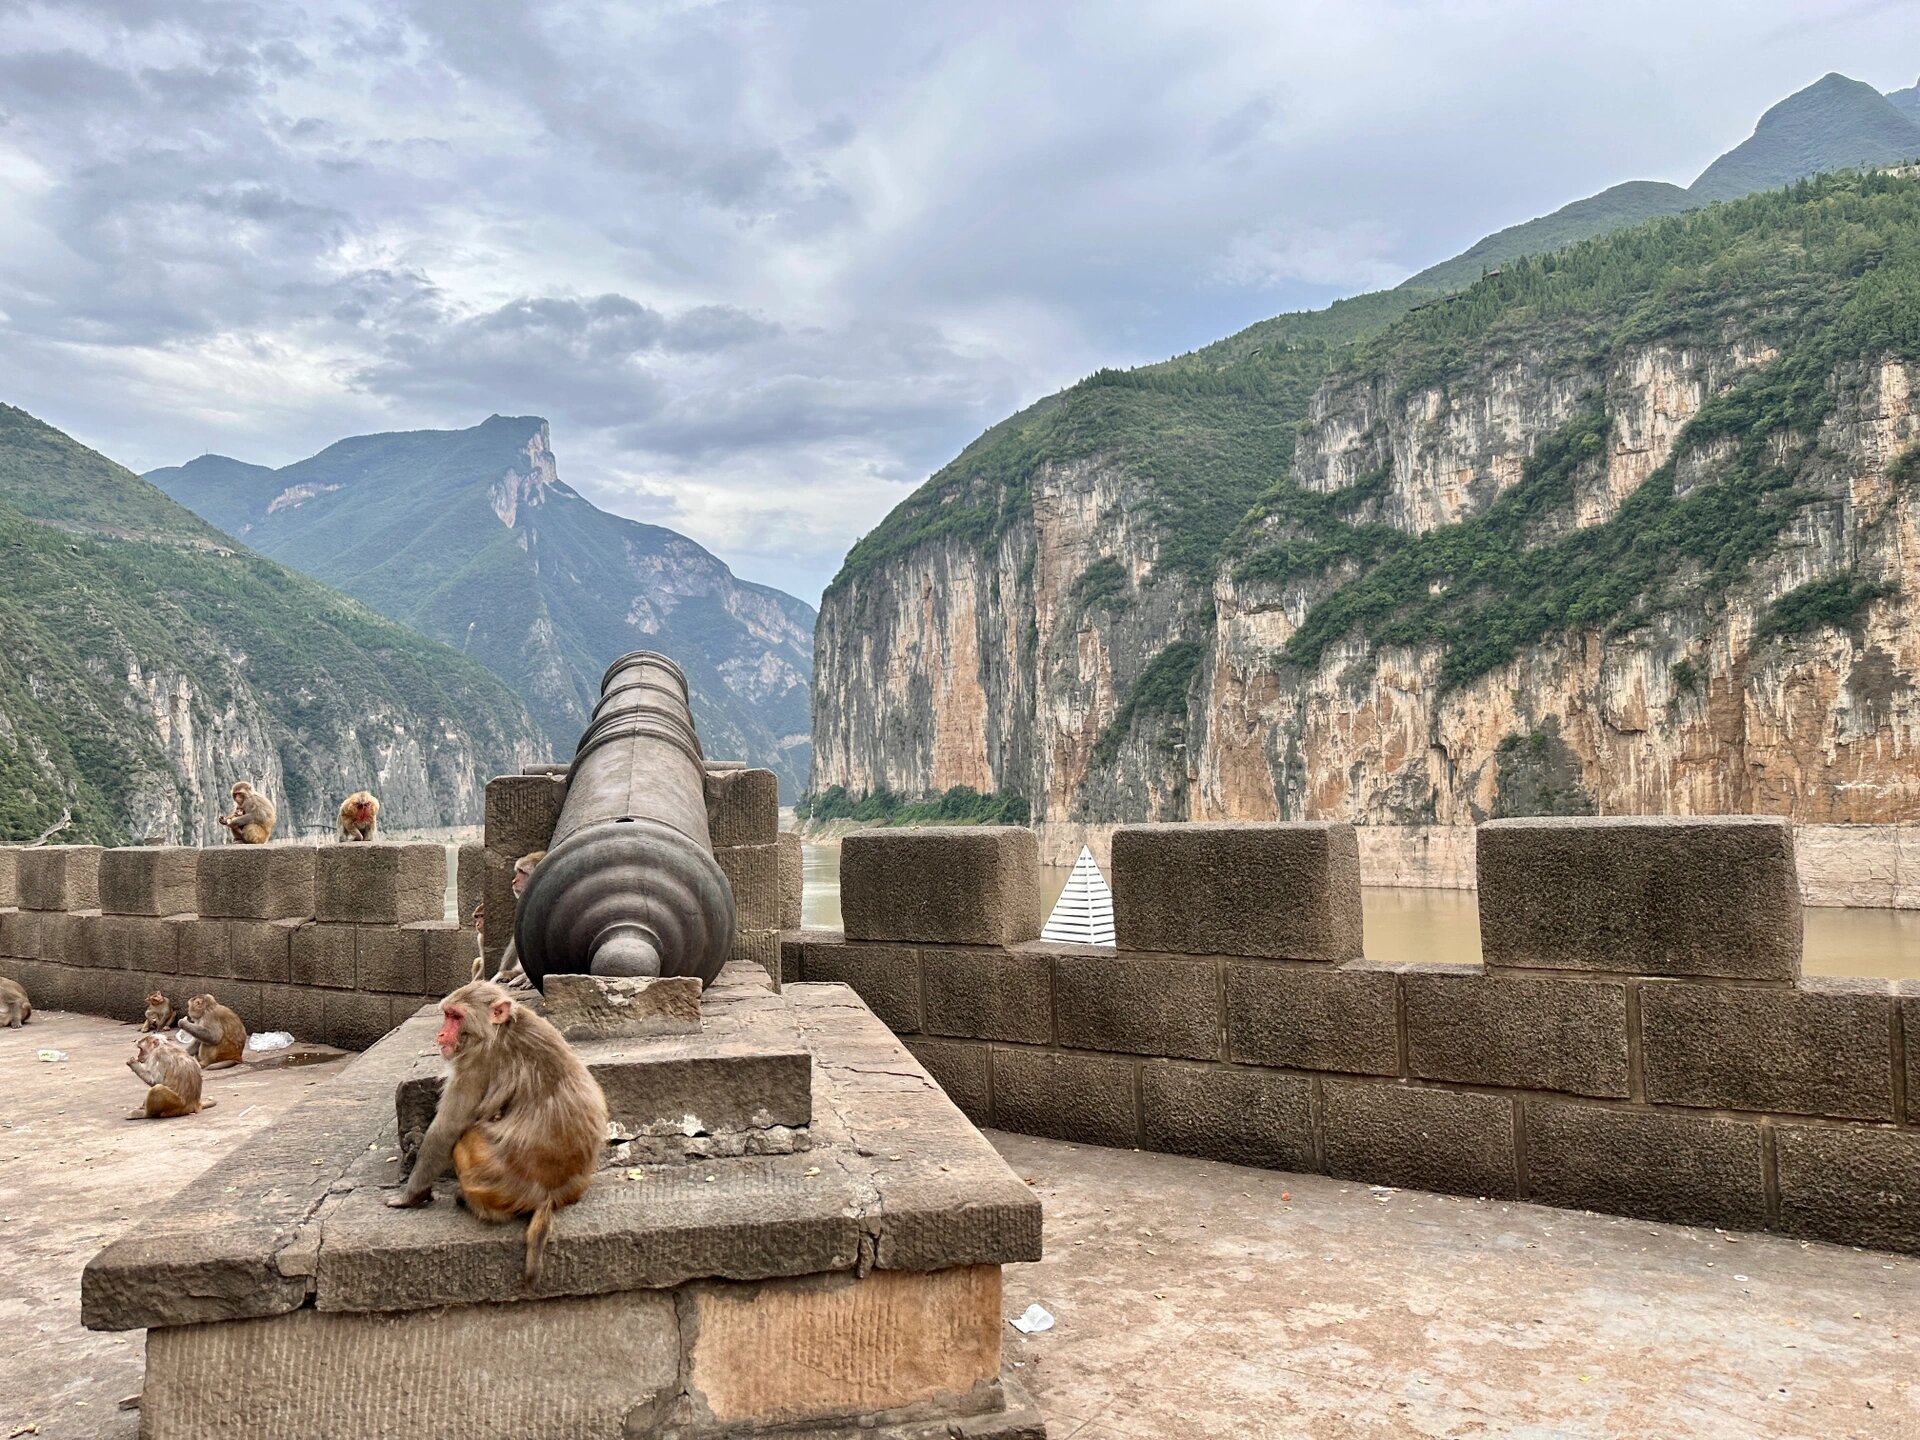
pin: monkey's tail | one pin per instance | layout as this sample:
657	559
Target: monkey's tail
537	1229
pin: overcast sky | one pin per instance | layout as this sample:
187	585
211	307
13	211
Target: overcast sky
767	266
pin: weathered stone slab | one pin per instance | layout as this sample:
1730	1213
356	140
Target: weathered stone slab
1850	1184
1518	1032
10	875
1313	1018
1242	1117
753	873
356	1021
58	877
961	1069
1822	1048
450	951
1715	896
989	994
1446	1140
1285	891
1143	1005
470	881
261	949
380	884
955	885
598	1007
887	977
149	880
389	957
1089	1098
521	813
322	955
1909	992
21	932
257	882
743	807
759	948
793	879
1657	1165
414	1374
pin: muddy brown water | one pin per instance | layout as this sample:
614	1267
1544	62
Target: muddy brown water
1444	925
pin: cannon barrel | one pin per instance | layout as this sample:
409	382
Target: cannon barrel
630	885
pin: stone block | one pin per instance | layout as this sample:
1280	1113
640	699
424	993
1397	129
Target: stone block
793	954
753	872
390	958
21	932
953	884
1656	1165
354	1021
919	1338
598	1007
450	952
1446	1140
58	877
1143	1005
758	947
257	882
1714	896
1910	1025
743	807
521	813
380	884
793	880
132	942
1306	1017
65	936
10	876
171	931
1518	1032
314	1373
962	1069
1089	1098
297	1009
887	977
989	994
1822	1048
322	955
149	880
1215	1112
262	949
1285	891
1850	1184
470	881
115	994
206	947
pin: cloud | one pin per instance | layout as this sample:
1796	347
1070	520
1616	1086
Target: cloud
765	266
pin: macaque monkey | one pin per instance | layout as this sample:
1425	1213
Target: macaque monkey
251	822
219	1035
520	1118
359	813
509	973
173	1075
15	1008
159	1011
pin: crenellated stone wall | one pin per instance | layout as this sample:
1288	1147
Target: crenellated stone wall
1640	1040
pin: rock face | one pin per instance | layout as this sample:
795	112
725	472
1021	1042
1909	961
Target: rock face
964	665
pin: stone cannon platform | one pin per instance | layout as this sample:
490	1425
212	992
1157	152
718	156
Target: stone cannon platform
848	1285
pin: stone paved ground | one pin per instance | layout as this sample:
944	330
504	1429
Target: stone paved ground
1192	1301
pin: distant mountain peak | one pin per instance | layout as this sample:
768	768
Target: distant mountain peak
1833	124
527	486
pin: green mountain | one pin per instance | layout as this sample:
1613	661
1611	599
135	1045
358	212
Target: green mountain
1833	124
470	536
1632	203
147	661
1906	101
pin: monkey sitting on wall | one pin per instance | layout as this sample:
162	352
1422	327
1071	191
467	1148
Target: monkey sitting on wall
15	1008
521	1119
159	1011
251	822
219	1035
509	974
174	1077
359	813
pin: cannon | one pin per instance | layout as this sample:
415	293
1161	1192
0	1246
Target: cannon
630	885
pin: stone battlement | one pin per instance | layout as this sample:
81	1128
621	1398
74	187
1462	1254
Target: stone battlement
1639	1041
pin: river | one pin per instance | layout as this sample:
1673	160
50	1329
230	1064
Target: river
1443	925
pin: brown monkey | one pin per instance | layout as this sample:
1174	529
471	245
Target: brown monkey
251	822
174	1077
359	813
219	1036
521	1119
509	973
159	1011
15	1008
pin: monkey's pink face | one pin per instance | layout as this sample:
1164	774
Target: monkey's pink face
362	813
453	1018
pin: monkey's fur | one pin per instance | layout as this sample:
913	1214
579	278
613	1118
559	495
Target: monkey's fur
219	1035
522	1121
510	972
15	1008
160	1012
251	822
172	1074
359	815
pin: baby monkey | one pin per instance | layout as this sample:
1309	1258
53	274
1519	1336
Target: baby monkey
174	1076
522	1120
251	822
159	1011
359	814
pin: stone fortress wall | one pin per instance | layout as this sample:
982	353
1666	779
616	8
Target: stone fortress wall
1640	1040
334	943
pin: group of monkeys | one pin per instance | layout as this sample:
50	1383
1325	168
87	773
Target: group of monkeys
251	822
521	1120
